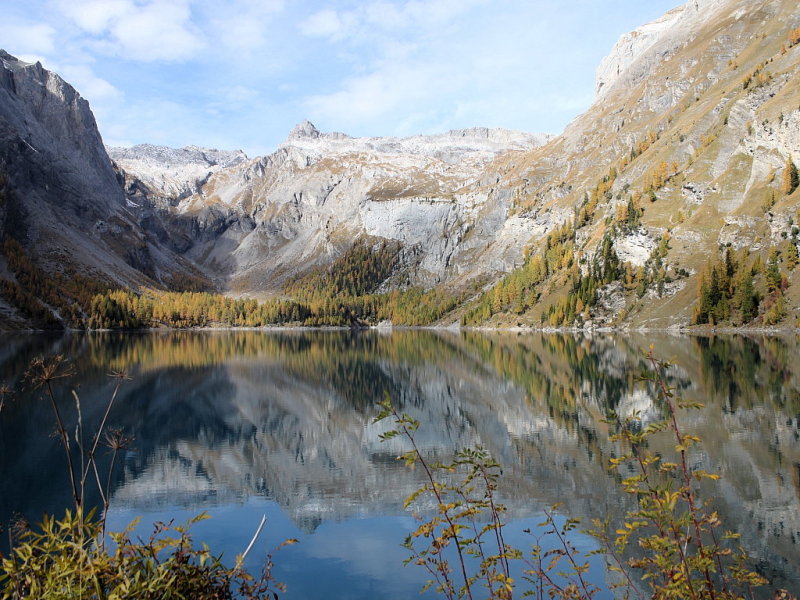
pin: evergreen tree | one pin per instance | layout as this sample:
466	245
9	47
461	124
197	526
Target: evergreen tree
704	305
746	297
773	274
790	177
792	257
730	264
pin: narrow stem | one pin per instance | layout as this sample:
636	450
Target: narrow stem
687	477
79	442
98	433
65	442
568	552
554	590
479	544
498	526
667	576
609	551
106	499
448	590
439	499
99	483
722	571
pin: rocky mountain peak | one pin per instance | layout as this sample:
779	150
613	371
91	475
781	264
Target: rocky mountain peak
649	38
63	202
303	130
43	95
479	144
177	157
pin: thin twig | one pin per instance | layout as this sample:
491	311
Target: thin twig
65	442
240	560
687	477
98	433
440	500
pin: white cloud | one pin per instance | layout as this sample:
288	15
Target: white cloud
18	37
157	121
388	93
151	31
430	65
95	16
386	15
90	86
371	20
435	13
330	23
160	30
241	25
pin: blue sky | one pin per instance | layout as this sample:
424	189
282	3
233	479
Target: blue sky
238	74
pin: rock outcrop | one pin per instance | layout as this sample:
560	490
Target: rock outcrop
635	53
168	173
62	199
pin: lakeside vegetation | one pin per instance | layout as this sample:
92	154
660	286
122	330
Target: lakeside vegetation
740	289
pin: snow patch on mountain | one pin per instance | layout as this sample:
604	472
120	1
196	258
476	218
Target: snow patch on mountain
476	144
174	172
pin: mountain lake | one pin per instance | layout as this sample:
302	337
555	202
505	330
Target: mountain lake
242	424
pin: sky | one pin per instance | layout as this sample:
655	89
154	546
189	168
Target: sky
239	74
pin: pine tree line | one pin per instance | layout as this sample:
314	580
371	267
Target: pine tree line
741	290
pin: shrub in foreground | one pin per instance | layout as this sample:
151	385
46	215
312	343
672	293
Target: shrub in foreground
74	558
671	546
66	558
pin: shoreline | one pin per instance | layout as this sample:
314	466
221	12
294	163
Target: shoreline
454	328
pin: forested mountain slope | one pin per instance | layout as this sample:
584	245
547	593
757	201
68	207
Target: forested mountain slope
689	152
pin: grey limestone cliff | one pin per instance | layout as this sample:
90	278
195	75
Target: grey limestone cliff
62	198
254	224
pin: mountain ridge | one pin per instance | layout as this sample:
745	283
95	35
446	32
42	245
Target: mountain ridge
681	156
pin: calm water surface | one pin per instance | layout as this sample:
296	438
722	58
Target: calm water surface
245	424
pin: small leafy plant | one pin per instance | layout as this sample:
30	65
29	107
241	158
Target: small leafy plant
62	559
560	571
460	543
671	546
682	550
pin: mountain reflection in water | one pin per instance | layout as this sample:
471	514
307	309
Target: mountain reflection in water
233	421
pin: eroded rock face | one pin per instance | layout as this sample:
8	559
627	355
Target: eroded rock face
172	173
635	247
636	51
253	224
62	199
51	151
